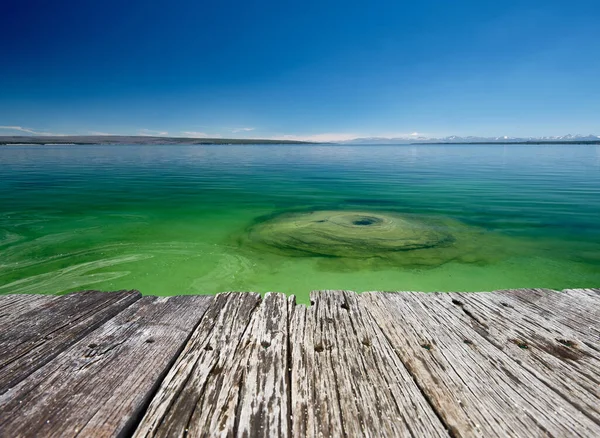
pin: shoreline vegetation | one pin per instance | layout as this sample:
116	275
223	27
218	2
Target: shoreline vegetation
147	140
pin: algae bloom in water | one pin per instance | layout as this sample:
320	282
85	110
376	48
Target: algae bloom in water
359	240
353	234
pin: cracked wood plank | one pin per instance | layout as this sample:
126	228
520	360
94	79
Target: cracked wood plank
100	385
346	378
13	307
588	303
476	388
548	350
594	294
314	400
572	308
261	375
200	393
42	333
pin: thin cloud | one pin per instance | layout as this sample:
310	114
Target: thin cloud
28	130
196	134
99	133
236	130
346	136
152	133
404	135
326	137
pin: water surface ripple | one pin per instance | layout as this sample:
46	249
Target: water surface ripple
173	219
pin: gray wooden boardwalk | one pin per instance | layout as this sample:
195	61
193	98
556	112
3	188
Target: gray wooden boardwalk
523	363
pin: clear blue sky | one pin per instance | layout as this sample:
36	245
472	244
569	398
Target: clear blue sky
327	68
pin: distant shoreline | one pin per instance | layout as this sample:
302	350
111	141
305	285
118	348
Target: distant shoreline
130	140
143	140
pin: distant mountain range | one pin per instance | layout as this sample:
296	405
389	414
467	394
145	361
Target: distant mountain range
569	138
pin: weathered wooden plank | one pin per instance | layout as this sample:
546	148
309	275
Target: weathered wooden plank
488	364
314	400
42	333
346	378
196	389
13	307
572	308
587	301
261	409
571	302
477	389
100	385
548	350
594	294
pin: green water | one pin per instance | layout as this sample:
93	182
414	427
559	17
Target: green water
175	219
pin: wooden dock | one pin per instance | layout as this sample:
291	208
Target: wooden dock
523	363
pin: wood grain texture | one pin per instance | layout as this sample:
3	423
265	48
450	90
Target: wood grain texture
42	333
519	363
13	307
576	309
346	377
594	294
475	387
550	351
200	394
262	404
588	305
99	386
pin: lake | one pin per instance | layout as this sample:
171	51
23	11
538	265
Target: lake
172	220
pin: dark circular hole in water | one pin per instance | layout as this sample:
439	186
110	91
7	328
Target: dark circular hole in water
365	221
338	234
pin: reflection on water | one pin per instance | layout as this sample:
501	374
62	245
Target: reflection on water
176	219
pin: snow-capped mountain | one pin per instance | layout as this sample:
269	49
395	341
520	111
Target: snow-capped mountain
470	139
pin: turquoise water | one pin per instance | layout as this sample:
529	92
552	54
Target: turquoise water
176	219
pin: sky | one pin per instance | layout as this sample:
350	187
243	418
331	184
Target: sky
309	70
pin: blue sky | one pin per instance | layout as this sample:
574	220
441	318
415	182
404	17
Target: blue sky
326	70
